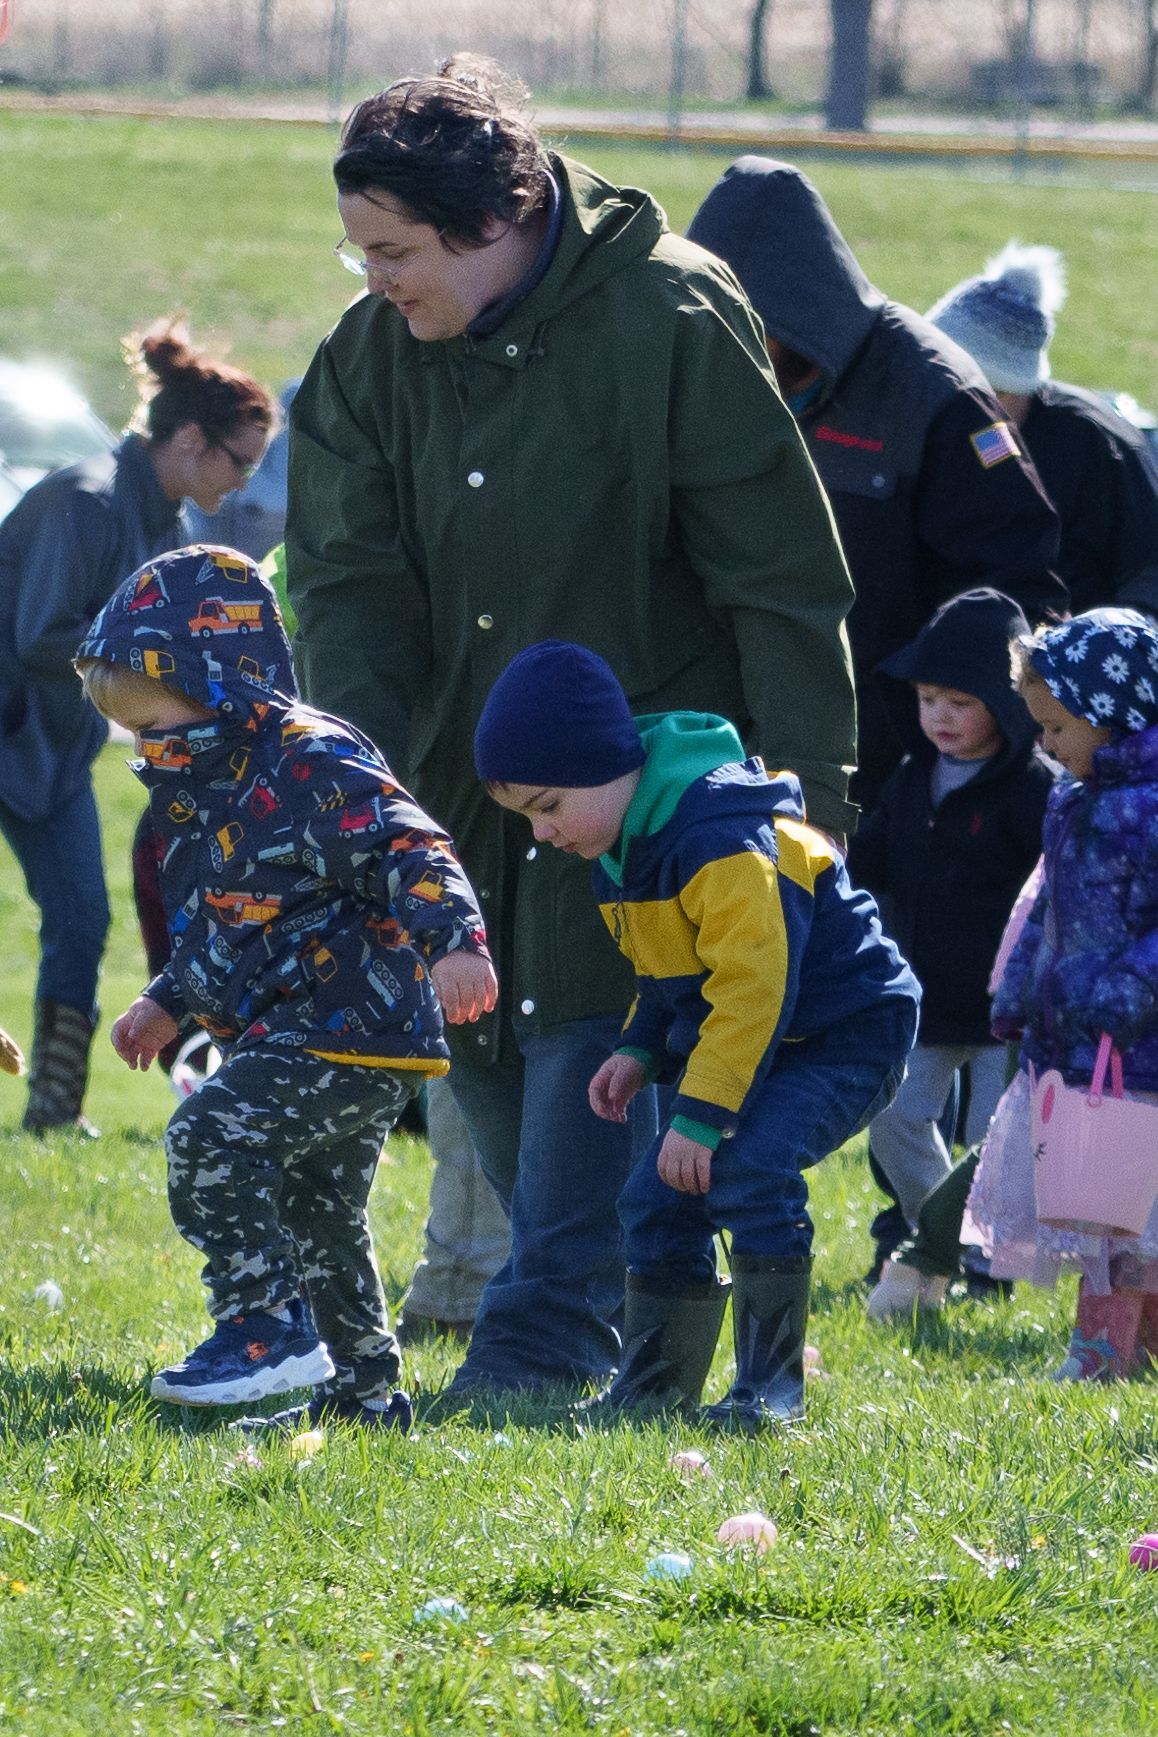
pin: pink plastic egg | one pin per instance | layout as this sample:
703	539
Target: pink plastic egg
1144	1551
691	1464
753	1528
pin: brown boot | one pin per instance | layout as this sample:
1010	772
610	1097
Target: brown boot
1148	1332
59	1072
1105	1338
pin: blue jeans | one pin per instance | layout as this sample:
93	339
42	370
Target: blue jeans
817	1094
467	1236
65	876
549	1313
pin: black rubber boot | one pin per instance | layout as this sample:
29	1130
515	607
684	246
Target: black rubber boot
669	1339
769	1314
58	1073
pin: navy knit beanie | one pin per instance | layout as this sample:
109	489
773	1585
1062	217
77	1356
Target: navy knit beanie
557	717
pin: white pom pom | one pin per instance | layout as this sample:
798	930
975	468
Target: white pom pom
1037	274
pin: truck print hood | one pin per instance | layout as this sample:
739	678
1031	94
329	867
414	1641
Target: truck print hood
201	619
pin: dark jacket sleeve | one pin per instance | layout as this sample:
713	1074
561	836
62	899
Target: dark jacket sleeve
166	992
646	1027
760	534
64	551
362	648
1133	488
1026	814
984	524
868	849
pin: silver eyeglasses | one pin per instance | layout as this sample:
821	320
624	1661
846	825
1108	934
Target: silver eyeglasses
357	266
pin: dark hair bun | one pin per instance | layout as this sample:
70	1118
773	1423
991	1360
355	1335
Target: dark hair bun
179	384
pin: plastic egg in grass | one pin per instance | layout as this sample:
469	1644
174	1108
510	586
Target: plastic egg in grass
743	1530
691	1464
440	1610
1144	1551
669	1565
307	1444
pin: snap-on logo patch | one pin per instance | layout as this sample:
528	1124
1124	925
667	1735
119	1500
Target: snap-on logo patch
837	437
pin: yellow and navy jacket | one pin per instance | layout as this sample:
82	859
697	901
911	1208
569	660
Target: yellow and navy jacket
738	918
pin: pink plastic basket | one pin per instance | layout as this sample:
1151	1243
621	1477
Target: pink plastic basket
1095	1158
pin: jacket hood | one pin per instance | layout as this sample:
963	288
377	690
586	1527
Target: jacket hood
695	772
680	747
604	229
201	619
965	645
769	223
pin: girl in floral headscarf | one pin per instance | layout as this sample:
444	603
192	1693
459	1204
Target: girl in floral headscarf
1085	963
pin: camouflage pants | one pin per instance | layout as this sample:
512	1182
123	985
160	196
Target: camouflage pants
270	1167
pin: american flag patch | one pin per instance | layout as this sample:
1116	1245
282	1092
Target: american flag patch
995	443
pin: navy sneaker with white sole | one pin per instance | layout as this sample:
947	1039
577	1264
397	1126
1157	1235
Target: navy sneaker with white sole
248	1357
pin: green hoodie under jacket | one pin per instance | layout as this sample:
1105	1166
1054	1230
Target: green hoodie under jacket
613	465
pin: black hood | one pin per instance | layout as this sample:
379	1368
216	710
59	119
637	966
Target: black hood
964	646
768	222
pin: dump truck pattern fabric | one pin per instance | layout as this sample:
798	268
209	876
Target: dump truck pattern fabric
306	892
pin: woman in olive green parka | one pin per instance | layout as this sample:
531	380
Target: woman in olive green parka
549	418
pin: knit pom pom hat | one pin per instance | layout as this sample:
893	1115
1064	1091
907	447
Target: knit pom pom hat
1005	317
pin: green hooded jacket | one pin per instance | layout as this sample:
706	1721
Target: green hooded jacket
613	465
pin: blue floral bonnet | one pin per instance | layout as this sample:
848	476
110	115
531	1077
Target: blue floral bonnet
1102	666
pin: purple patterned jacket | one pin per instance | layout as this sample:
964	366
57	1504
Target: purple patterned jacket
1087	959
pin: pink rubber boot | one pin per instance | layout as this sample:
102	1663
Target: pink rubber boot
1105	1338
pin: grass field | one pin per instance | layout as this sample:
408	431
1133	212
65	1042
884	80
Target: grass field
106	223
953	1527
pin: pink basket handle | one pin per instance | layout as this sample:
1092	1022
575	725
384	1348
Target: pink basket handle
1107	1056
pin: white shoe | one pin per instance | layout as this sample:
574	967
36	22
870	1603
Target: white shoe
901	1289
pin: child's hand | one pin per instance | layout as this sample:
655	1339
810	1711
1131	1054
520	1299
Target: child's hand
685	1164
466	984
614	1085
141	1031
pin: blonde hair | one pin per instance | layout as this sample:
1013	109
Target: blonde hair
1020	650
105	684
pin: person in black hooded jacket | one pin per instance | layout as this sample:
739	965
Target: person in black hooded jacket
946	850
930	484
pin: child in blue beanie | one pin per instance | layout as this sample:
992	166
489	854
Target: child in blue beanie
767	995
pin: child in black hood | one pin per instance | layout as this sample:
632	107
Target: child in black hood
947	849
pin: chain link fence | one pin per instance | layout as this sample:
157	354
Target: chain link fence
1075	54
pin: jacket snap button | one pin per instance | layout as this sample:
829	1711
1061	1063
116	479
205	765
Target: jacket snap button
482	1038
878	481
527	1006
512	349
486	621
532	853
476	479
